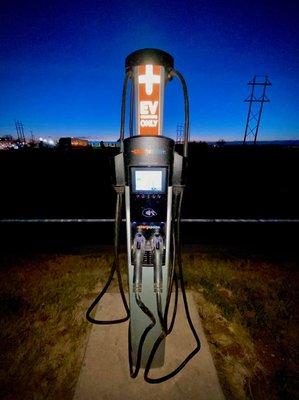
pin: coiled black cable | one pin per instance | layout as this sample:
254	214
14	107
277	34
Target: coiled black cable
187	312
118	209
114	267
173	278
173	275
142	306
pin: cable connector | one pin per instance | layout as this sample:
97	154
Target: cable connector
178	189
120	189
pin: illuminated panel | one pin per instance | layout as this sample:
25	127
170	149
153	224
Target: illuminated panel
150	83
148	181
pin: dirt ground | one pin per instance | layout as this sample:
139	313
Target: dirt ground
247	303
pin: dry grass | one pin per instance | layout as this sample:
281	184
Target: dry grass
247	307
43	326
248	310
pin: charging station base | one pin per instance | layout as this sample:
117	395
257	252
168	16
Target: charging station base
105	370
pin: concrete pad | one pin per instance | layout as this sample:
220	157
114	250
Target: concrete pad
105	370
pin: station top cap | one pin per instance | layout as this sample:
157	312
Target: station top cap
149	56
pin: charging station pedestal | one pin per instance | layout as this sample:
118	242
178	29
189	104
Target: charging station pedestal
148	198
148	172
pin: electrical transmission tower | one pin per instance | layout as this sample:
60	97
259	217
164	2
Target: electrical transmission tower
256	101
20	131
180	133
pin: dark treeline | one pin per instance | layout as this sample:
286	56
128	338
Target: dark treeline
222	182
243	182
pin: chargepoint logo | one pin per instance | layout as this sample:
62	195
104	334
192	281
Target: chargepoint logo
147	152
149	212
149	99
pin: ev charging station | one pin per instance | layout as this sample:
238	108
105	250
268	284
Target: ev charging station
149	175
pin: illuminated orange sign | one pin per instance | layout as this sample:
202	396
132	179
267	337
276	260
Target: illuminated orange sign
150	85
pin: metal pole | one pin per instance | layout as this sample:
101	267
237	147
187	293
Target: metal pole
249	111
261	109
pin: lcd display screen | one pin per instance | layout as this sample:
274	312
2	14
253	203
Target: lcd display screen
148	180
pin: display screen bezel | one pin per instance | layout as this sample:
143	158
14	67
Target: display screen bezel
133	179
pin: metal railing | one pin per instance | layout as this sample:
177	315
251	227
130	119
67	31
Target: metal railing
111	220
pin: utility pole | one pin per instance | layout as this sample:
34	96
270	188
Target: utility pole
256	101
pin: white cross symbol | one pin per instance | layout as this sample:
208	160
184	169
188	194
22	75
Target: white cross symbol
149	79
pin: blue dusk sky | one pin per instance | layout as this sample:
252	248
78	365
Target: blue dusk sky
62	64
